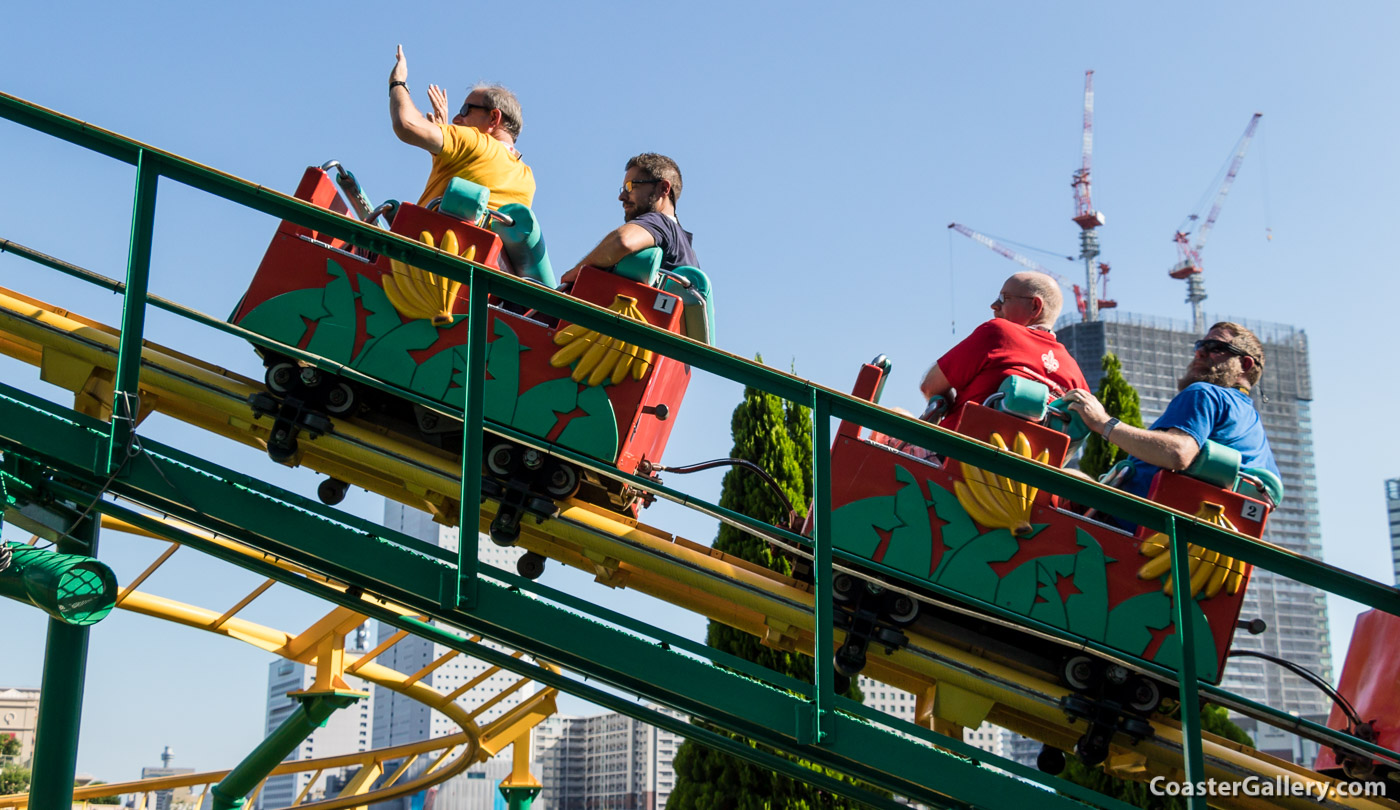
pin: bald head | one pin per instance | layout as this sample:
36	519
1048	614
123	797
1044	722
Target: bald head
1028	287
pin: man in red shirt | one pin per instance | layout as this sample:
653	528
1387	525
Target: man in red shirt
1016	341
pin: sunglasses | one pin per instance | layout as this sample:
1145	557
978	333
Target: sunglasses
1001	299
627	186
468	107
1212	346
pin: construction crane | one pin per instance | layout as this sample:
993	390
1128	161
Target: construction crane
1080	299
1189	267
1085	216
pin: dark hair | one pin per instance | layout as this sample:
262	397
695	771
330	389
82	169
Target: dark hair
1247	342
499	98
659	167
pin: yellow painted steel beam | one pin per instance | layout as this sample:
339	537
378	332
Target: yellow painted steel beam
616	550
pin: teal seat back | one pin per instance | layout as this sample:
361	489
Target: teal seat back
1273	487
643	267
1216	464
1068	422
523	244
1024	398
699	311
465	200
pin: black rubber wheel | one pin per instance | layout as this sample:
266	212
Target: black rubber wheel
281	447
1092	749
332	491
280	377
498	459
904	609
843	683
849	661
1146	696
1078	672
505	529
1050	760
563	481
340	399
844	587
530	565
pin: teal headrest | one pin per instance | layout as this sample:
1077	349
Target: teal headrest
641	266
465	200
1273	487
1024	398
523	242
1216	464
1067	421
699	304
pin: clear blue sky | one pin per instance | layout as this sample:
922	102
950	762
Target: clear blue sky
824	147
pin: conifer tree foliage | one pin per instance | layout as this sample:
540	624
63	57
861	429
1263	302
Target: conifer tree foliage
1214	720
1121	400
777	436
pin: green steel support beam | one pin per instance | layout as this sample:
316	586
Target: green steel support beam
61	693
1183	602
468	539
519	798
406	571
138	270
72	588
312	713
1288	564
822	707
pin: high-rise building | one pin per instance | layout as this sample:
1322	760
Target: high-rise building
399	720
604	762
182	798
1392	508
1154	353
346	732
19	717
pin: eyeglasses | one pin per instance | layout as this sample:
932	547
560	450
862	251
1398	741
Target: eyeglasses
467	108
1212	346
627	186
1001	299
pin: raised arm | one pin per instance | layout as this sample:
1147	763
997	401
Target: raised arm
409	124
615	247
1171	449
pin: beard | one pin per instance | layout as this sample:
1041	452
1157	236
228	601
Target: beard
1222	374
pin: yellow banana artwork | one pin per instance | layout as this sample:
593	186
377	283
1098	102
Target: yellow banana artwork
996	501
1210	571
416	293
599	357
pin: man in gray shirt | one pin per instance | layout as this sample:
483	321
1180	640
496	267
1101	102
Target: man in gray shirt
650	190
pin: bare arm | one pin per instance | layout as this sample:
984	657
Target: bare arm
409	124
1170	449
615	247
935	383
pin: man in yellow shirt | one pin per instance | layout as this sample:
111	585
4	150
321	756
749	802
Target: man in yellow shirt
478	145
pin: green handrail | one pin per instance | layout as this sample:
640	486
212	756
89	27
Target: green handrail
826	403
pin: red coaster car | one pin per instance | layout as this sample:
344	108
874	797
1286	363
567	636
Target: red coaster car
562	385
988	542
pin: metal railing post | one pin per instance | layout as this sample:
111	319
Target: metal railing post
126	382
824	706
61	694
468	534
1182	605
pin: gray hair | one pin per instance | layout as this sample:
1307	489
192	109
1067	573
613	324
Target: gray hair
498	97
1047	290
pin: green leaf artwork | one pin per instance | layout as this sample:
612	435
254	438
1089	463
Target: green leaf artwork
911	543
334	337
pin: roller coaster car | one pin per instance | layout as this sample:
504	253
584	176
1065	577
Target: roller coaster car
981	542
1371	683
560	385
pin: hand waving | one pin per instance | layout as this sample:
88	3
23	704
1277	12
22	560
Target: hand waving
439	100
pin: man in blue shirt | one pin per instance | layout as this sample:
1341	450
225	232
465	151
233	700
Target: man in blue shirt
650	190
1213	404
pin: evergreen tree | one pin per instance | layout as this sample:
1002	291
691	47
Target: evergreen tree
1121	400
1214	720
776	436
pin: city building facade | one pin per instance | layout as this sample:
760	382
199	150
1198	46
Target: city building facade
1392	509
1154	353
19	716
346	732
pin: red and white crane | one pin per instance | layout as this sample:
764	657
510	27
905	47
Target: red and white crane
1031	264
1189	267
1085	216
